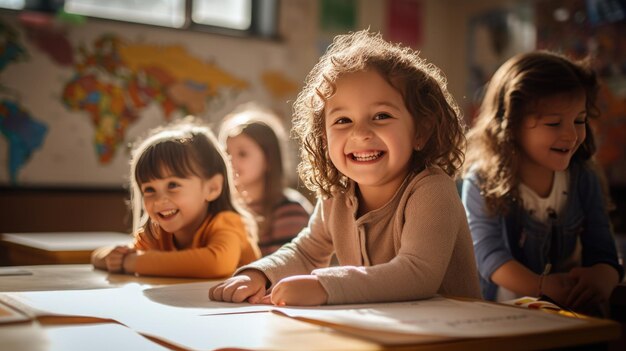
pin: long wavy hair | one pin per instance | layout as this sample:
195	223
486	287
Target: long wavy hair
422	85
512	93
264	127
184	148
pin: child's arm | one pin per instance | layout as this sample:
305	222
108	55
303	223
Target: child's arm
110	258
218	258
594	285
516	277
98	256
429	241
249	285
489	243
311	249
298	290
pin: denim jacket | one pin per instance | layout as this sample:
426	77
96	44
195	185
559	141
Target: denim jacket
499	239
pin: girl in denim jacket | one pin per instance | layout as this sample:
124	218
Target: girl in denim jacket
534	199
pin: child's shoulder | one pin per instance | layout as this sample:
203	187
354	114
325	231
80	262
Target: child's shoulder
431	183
429	177
432	189
230	218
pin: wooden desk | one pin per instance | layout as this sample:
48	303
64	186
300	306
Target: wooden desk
280	333
56	248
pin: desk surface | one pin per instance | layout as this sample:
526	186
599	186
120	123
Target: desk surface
56	248
283	333
67	241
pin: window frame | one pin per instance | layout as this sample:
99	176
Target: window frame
263	21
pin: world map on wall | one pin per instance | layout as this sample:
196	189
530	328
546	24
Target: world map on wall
113	80
23	132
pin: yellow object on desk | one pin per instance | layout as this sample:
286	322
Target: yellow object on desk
56	248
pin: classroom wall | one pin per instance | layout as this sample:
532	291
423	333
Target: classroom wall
69	179
72	179
68	185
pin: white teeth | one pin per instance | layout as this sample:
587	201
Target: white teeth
168	213
366	156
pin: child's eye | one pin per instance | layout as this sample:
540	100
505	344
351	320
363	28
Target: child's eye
553	124
342	120
172	185
381	116
147	190
581	121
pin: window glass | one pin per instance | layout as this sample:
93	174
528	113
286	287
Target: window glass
12	4
169	13
234	14
238	17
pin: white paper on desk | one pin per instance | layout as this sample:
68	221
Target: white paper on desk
97	337
176	314
438	316
126	304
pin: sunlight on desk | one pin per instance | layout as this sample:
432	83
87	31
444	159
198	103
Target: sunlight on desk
97	336
181	317
58	247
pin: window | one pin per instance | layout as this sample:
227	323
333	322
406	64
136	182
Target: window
240	17
168	13
12	4
235	14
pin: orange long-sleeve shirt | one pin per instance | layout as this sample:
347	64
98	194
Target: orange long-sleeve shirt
220	245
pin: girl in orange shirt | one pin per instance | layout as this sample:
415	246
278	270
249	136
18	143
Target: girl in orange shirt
189	224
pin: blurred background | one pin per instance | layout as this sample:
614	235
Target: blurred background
82	79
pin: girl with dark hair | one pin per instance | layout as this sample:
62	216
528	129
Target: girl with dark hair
186	218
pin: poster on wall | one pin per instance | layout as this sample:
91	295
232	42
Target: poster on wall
404	22
74	98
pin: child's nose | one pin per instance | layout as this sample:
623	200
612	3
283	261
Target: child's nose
361	131
162	198
569	133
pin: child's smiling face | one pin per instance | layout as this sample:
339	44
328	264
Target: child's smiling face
178	205
550	136
370	133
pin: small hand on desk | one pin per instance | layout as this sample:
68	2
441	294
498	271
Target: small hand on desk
250	285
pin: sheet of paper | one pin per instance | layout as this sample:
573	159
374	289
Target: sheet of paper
195	295
122	304
10	315
22	336
97	337
438	316
176	314
182	314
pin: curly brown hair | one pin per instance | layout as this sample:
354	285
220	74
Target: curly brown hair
512	94
422	85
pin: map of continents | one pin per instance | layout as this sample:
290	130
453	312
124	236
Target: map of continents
118	79
24	134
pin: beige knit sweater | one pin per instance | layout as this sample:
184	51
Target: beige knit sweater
415	246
